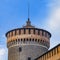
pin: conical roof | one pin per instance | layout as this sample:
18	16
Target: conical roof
28	24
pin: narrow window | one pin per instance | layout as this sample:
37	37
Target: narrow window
29	31
20	49
27	39
35	39
15	32
24	41
16	40
32	39
54	51
19	32
45	34
21	40
12	33
24	31
29	58
42	33
38	32
34	31
38	40
57	50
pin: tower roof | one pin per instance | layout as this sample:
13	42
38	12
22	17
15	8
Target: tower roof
28	24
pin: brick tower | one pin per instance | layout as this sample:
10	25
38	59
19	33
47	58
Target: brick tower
27	43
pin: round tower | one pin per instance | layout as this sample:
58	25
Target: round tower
27	43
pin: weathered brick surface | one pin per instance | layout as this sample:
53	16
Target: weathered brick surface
27	51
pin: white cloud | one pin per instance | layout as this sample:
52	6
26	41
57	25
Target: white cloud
3	54
54	15
53	22
54	19
2	51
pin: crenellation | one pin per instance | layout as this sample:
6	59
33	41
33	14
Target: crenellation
27	31
17	32
31	31
13	33
36	32
22	31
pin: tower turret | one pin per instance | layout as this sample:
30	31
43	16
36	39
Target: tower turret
27	43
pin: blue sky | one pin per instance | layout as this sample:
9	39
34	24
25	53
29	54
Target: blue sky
44	14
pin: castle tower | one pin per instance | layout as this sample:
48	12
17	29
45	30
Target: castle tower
27	43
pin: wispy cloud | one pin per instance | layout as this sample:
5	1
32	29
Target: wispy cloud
53	21
3	53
